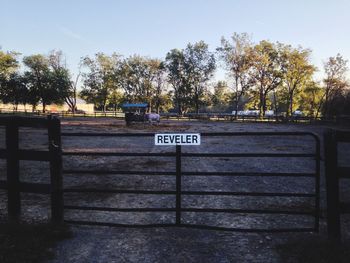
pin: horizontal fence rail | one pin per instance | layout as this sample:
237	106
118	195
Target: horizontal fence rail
179	174
64	114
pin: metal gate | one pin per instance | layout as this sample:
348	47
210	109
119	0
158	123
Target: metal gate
179	155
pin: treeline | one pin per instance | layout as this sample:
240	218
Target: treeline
262	76
45	80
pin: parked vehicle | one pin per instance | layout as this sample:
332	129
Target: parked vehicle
297	113
239	113
246	113
269	113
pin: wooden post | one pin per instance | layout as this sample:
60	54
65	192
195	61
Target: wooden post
332	185
13	187
54	131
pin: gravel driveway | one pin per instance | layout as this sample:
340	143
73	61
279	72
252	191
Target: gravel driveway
104	244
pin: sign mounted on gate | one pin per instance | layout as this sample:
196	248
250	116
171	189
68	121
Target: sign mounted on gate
177	139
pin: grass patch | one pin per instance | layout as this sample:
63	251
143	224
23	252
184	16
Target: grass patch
29	242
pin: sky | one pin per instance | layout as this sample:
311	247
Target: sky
153	27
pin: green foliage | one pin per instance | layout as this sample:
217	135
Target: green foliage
261	76
138	73
199	65
237	57
143	80
310	99
267	71
162	96
45	81
188	72
8	75
221	97
100	81
15	90
115	99
175	65
297	72
8	64
335	86
61	80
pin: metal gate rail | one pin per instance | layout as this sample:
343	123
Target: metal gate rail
179	193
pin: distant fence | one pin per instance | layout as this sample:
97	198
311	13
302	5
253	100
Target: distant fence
334	175
220	116
342	119
13	154
64	114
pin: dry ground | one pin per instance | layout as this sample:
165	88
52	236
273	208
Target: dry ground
103	244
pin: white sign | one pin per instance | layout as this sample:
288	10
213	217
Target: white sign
177	139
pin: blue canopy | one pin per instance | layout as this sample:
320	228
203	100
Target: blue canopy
135	105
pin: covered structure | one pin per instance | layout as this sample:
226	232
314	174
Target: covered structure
135	112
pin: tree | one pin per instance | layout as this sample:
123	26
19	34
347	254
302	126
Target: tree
162	97
335	83
140	77
43	83
8	67
62	79
297	71
266	71
237	56
8	64
14	90
311	97
199	65
72	93
221	96
142	80
175	65
115	99
125	79
100	80
188	73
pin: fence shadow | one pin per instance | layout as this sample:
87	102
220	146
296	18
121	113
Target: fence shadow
314	249
30	242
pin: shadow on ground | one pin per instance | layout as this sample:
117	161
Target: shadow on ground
28	242
314	249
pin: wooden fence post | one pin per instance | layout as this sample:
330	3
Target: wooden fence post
13	187
54	131
332	185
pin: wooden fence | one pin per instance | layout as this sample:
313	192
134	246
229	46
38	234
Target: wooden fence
212	116
64	114
13	154
334	176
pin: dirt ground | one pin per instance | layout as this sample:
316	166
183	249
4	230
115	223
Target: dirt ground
105	244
